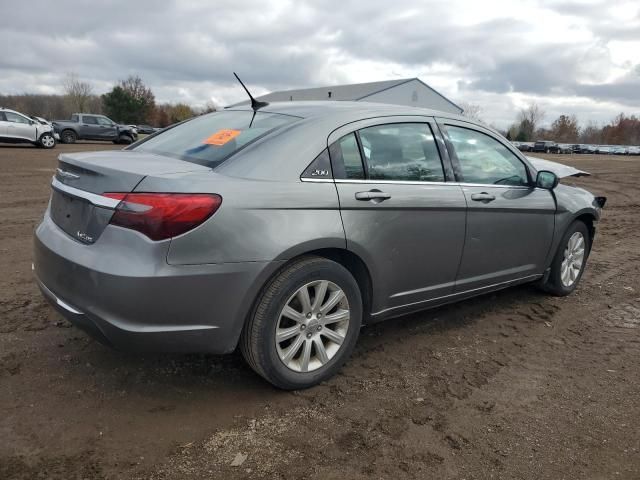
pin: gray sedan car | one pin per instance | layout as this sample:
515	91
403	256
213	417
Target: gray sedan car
285	230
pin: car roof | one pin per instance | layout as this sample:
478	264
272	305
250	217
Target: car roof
317	109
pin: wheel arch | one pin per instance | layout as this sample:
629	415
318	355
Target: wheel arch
589	219
349	260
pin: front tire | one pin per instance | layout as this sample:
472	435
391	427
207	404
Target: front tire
569	261
47	141
305	324
125	139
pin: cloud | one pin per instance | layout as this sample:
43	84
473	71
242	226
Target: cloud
562	53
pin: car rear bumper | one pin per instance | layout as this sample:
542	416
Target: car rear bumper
124	302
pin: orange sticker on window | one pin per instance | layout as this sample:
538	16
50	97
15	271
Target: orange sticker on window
221	137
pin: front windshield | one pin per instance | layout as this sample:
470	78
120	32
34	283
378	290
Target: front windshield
210	139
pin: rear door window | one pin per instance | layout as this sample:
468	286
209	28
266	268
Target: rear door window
345	158
401	151
211	139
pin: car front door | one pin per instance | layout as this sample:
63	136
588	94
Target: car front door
400	214
107	128
510	222
89	128
20	127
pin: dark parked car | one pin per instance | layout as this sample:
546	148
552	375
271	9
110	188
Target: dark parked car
565	148
83	126
582	148
146	129
286	229
524	146
545	146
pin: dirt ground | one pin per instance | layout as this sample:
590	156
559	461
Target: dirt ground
510	385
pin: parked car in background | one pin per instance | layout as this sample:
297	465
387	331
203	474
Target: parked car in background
546	146
84	126
634	150
565	148
619	150
525	146
604	150
146	129
583	148
288	228
16	127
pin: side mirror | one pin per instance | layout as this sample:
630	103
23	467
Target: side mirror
547	180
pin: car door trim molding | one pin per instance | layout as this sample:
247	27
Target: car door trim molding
491	287
409	182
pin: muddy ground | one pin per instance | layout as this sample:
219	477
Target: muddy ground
511	385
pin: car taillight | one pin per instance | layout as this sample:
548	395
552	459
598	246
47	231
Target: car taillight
163	215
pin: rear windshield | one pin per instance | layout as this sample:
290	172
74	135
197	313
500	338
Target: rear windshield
211	139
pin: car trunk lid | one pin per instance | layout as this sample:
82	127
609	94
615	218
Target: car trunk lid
77	204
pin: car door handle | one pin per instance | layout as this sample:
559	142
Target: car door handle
372	195
483	197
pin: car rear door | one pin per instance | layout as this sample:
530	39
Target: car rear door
510	222
400	214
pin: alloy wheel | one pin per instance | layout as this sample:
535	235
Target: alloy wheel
312	326
573	259
47	141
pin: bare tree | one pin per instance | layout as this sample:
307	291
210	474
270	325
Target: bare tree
531	117
472	111
78	93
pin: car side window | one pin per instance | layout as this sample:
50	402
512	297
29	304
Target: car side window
345	158
74	118
103	121
484	160
401	151
3	118
89	120
15	118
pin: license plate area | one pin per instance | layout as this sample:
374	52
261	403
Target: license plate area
78	218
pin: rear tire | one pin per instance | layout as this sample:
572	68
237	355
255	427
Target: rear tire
306	345
68	136
564	276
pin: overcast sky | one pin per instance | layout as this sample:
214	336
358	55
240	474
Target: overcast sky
574	57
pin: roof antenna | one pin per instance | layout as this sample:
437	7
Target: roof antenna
255	104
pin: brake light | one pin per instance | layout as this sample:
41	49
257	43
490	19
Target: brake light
163	215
